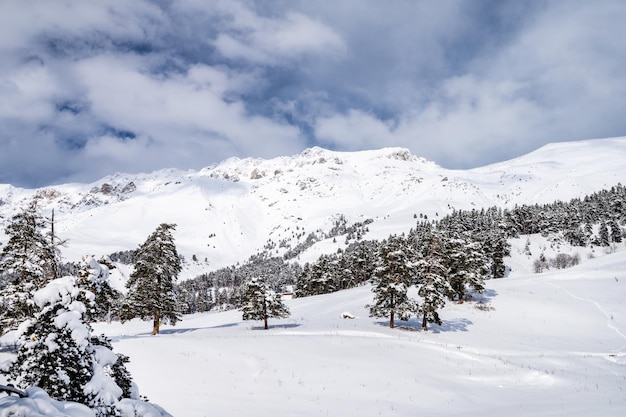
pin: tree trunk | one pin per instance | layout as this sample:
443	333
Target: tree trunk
424	323
391	322
156	322
265	313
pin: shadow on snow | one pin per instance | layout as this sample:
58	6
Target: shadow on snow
174	331
276	326
414	325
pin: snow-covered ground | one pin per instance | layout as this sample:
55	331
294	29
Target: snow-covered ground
545	344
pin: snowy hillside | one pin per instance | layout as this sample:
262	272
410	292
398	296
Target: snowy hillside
228	211
542	345
548	344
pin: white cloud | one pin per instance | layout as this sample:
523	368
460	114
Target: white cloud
21	25
469	119
176	112
269	40
461	83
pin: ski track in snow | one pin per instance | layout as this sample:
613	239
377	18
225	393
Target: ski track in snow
609	316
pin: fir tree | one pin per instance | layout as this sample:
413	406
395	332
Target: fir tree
392	279
28	260
261	303
151	285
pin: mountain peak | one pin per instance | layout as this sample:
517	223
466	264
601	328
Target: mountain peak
227	212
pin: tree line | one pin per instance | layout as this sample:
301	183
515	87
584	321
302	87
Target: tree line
596	219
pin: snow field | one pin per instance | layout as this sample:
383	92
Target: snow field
547	344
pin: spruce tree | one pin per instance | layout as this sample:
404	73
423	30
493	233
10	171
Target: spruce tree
27	262
261	303
151	284
392	279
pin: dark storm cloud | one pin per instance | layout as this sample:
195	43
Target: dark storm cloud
90	88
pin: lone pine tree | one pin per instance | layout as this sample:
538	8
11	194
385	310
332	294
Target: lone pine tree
151	285
261	303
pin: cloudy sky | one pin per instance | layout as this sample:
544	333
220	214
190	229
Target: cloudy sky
89	88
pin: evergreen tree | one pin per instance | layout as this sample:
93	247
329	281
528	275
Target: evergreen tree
467	266
317	278
392	279
261	303
603	235
53	351
94	277
28	260
432	282
616	231
497	248
58	353
151	284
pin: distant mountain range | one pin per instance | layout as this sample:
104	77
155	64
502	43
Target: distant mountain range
229	211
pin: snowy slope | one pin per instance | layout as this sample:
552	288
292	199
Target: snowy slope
228	211
548	344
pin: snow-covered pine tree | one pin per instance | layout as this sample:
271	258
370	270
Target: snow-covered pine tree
53	353
94	276
28	260
317	278
392	278
261	303
467	266
360	259
496	248
59	354
616	231
151	284
433	284
603	235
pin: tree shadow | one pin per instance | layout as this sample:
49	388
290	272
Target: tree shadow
193	329
276	326
454	325
9	348
415	325
173	331
412	325
485	297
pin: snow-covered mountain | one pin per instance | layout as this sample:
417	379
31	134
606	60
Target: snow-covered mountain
228	211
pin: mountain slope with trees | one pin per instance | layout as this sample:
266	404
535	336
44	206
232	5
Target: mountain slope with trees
235	209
